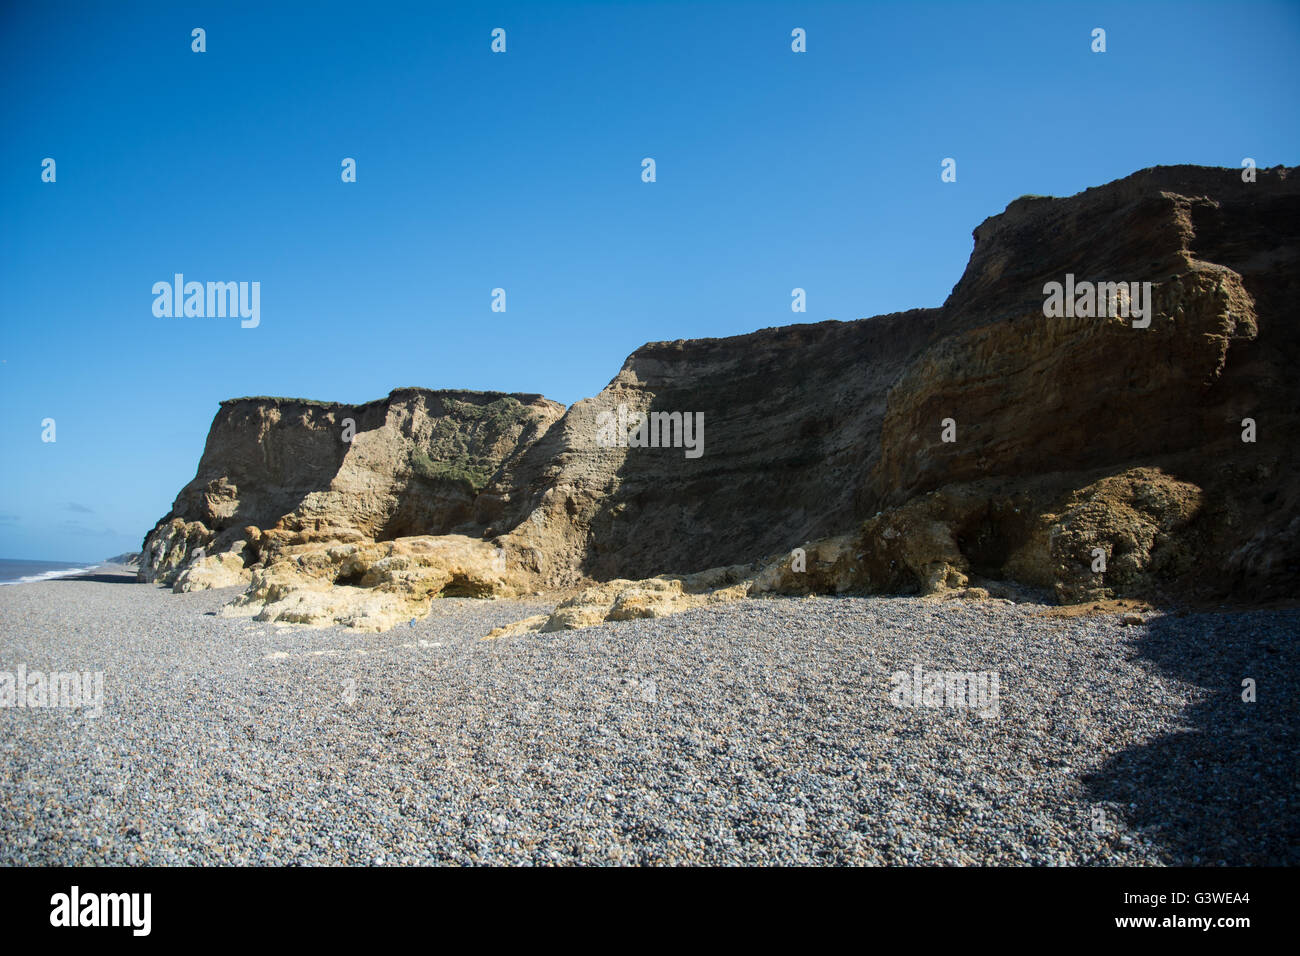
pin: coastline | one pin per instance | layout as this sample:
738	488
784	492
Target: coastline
61	569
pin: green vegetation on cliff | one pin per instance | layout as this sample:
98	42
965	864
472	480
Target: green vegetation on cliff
464	445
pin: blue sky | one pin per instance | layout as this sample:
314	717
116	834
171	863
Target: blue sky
522	170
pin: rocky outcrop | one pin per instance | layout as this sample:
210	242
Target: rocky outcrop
373	586
411	464
225	570
972	448
1129	533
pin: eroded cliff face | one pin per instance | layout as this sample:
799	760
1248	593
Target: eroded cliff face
280	472
1066	402
1073	437
791	417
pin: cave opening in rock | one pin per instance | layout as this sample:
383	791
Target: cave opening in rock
988	539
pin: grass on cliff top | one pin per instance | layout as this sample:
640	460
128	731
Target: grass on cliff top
460	448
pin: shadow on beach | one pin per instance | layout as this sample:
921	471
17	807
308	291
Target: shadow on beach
102	576
1226	789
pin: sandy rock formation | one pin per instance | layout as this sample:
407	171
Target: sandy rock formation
373	586
411	464
172	545
224	570
625	600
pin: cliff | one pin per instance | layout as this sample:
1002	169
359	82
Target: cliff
980	444
412	463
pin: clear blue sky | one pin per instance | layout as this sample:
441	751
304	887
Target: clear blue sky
523	171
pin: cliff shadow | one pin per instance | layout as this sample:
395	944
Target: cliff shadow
102	577
791	424
266	479
1225	790
732	499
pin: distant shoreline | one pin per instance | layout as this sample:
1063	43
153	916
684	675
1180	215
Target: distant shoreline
18	571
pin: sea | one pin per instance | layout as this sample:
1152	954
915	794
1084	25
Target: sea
21	571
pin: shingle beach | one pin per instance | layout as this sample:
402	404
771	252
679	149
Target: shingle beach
763	731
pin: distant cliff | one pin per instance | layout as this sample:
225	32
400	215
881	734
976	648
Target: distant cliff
413	463
977	442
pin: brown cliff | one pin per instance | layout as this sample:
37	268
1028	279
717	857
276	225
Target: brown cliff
301	471
1071	435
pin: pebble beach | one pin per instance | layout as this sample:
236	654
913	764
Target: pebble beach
766	731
